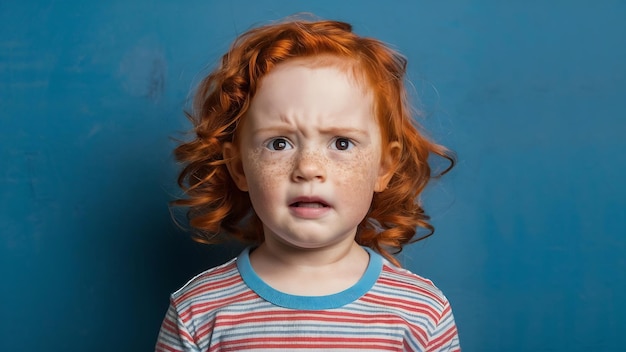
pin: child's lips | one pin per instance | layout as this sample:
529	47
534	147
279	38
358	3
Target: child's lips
309	207
309	202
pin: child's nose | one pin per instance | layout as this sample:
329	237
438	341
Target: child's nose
309	166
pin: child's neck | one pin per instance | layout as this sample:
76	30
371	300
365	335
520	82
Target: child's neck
310	272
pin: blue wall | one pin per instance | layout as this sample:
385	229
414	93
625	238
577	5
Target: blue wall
530	245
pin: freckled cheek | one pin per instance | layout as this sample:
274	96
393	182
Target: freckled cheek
264	173
358	175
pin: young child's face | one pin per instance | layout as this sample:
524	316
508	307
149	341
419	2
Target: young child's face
310	151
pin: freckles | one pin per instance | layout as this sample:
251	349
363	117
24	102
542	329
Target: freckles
357	173
267	173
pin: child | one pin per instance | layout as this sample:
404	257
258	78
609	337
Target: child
305	148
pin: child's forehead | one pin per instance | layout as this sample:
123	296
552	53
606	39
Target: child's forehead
348	66
319	89
323	60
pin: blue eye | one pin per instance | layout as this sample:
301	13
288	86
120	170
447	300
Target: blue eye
342	143
278	144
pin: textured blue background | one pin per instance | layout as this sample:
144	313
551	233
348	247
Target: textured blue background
530	245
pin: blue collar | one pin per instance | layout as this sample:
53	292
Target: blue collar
337	300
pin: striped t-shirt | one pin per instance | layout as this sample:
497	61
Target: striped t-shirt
229	308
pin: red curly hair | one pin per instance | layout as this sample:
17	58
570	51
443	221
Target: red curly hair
217	209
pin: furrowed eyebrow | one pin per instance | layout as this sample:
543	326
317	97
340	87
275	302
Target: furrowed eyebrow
334	131
274	129
344	131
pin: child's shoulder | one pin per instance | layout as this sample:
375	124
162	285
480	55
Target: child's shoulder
405	283
210	284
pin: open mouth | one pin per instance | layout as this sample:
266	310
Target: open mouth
309	205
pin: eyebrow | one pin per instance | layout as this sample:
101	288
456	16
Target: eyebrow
343	131
330	130
273	129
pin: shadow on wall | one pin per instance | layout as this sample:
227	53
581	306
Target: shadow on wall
133	255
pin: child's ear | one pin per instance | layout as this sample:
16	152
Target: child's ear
232	157
388	163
